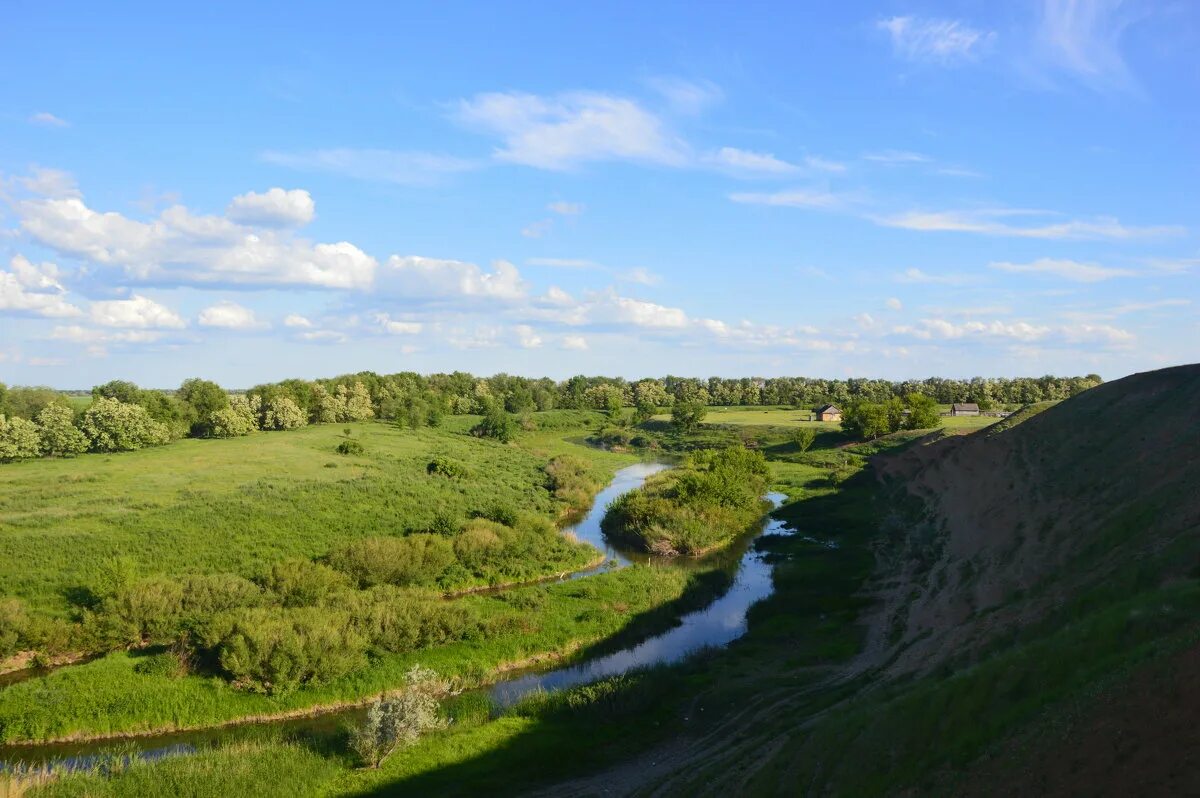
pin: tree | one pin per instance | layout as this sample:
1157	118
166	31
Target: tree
114	426
202	398
643	412
686	415
497	424
281	412
19	439
922	412
236	420
58	436
804	437
399	722
357	402
327	408
121	390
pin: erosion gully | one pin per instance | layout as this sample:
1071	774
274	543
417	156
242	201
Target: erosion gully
718	624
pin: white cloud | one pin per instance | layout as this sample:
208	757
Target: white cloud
823	164
76	334
230	316
567	130
433	278
137	311
991	222
296	320
324	337
565	208
795	198
565	263
1083	39
47	119
275	208
1067	269
385	166
640	276
527	337
942	41
896	157
537	229
918	277
893	304
52	183
935	329
179	246
574	342
611	308
397	326
687	96
34	289
750	163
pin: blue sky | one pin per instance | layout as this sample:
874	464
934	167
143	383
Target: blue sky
895	189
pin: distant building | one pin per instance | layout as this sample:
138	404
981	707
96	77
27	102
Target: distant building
964	409
829	413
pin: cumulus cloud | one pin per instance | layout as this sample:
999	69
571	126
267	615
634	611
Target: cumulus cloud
942	41
574	342
274	208
1066	269
296	320
137	311
434	278
527	337
564	131
892	303
936	329
230	316
33	289
88	336
182	247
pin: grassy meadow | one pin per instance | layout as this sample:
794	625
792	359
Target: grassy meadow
203	506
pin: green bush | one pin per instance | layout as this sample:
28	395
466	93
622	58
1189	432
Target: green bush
418	559
301	583
350	446
276	651
445	467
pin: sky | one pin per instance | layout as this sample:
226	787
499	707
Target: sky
249	192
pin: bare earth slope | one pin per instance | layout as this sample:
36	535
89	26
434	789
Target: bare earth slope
1013	523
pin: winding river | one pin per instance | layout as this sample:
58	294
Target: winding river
717	624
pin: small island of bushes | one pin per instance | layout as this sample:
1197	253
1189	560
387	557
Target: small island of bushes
714	497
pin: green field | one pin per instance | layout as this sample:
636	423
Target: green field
199	506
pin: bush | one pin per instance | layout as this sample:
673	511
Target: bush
496	424
301	583
350	446
164	665
205	595
238	419
418	559
145	611
399	722
445	467
570	480
804	437
686	416
276	651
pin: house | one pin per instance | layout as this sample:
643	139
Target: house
829	413
964	409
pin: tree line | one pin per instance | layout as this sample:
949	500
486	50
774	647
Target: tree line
123	416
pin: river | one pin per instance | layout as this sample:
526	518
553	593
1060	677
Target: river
718	624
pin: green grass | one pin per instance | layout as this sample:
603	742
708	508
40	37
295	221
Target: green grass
110	696
199	506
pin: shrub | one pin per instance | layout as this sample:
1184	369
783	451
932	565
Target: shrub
399	722
301	583
687	415
13	622
144	611
445	467
276	651
570	480
496	424
164	665
804	437
499	512
238	419
205	595
350	446
418	559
